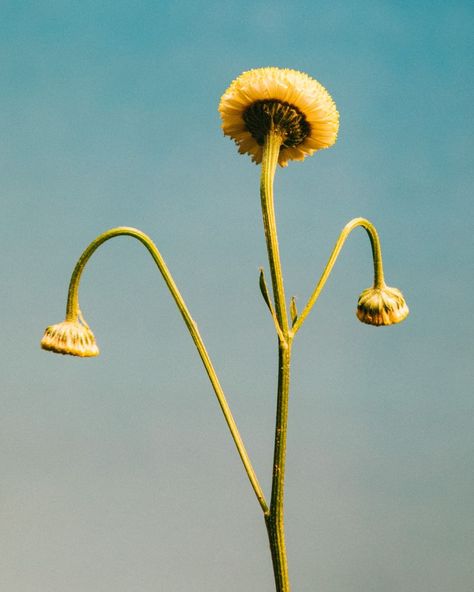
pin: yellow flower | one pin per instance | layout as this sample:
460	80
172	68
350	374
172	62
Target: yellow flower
382	306
70	337
287	101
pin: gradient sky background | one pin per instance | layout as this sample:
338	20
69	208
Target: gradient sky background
118	473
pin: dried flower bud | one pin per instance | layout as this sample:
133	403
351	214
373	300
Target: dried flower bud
381	306
70	337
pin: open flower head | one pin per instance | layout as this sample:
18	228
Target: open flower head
287	101
382	306
70	337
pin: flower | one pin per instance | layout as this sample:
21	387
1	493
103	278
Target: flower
70	337
381	306
287	101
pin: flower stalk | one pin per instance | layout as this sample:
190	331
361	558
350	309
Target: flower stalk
72	312
271	151
376	257
275	518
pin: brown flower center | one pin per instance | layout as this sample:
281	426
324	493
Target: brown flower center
265	116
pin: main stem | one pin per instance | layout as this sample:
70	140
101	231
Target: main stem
274	519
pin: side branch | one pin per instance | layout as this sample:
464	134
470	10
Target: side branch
376	255
72	311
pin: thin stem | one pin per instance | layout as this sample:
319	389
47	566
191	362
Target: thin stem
275	519
72	313
376	255
271	151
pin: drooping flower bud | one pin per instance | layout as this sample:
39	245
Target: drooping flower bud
381	306
70	337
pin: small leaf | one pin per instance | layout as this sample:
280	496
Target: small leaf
293	310
264	289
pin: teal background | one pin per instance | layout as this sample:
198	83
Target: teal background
118	473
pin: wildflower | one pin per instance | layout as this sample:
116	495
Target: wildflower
70	337
381	306
285	101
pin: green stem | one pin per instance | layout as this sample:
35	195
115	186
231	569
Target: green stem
275	518
271	150
376	255
72	313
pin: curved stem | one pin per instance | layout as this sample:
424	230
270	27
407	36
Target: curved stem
376	255
72	312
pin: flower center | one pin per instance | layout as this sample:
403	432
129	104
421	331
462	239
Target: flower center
262	117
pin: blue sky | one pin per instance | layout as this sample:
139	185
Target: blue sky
118	472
